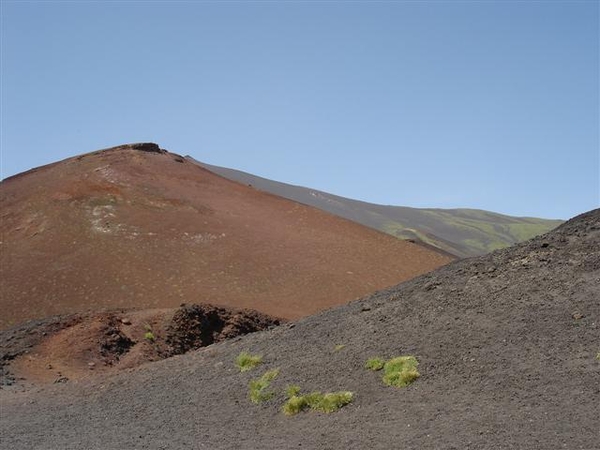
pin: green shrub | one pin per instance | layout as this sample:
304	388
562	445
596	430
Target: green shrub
149	336
294	405
258	387
375	364
245	361
292	390
328	402
400	371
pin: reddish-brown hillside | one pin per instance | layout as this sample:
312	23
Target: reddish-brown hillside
136	226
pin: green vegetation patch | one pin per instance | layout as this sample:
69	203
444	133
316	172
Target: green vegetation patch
149	336
294	405
375	364
524	231
400	371
330	401
292	391
324	402
258	387
245	361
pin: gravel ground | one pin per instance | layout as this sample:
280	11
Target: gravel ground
507	345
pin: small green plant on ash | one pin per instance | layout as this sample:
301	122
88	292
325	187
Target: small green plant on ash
258	387
400	371
338	347
292	390
330	401
317	401
375	364
294	405
149	335
245	361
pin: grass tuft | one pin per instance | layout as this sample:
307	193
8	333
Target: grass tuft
327	403
294	405
149	336
401	371
245	361
258	387
292	390
375	364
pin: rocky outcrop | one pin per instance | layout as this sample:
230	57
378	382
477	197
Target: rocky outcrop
195	326
150	147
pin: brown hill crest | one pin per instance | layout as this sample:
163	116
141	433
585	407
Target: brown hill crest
138	226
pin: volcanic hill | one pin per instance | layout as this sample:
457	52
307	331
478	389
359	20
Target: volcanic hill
461	232
135	226
508	346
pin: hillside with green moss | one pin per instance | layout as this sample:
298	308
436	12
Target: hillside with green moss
460	232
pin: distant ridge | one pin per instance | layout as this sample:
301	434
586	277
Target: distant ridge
461	232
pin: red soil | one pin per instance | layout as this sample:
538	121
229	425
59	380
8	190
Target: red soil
126	228
85	346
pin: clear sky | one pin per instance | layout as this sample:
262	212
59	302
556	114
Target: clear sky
480	104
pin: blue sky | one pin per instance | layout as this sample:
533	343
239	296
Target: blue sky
491	105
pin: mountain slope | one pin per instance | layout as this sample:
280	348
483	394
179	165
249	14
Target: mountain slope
136	226
506	343
461	232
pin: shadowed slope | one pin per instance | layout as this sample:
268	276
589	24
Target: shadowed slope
136	226
461	232
506	345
